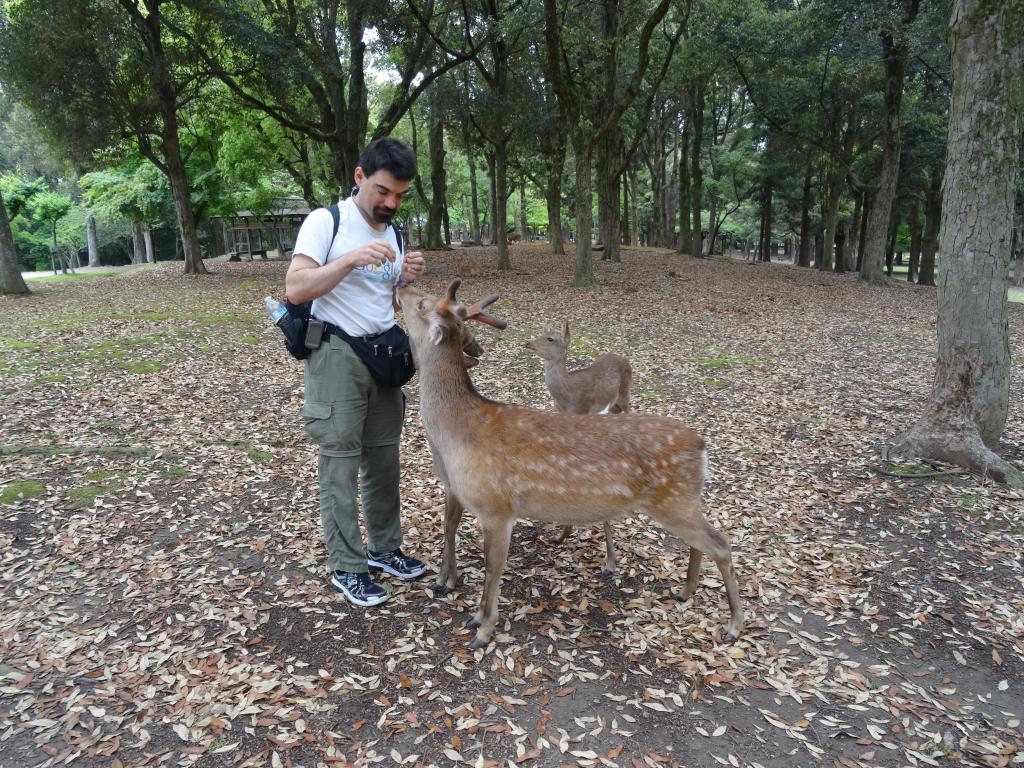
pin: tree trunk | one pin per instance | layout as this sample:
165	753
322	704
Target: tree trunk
554	204
696	175
608	181
474	223
634	233
138	244
854	230
967	409
915	242
438	184
685	230
930	239
840	265
862	235
804	259
584	270
766	219
11	280
92	241
492	200
895	54
522	226
501	202
147	239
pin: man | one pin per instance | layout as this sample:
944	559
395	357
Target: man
356	422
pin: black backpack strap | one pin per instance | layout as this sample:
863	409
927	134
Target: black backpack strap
336	217
398	234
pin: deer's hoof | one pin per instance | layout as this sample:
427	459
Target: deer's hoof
473	623
733	629
440	588
607	573
478	642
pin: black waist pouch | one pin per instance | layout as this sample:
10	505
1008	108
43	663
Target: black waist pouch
387	355
293	326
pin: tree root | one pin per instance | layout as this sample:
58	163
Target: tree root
958	444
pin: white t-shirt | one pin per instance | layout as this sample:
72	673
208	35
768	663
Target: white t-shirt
361	303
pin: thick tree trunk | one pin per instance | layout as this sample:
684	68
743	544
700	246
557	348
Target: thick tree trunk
92	242
147	239
138	244
766	220
608	183
522	226
895	53
438	183
11	280
696	174
474	210
967	410
840	265
932	219
583	274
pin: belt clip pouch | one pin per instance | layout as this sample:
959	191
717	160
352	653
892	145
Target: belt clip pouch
314	333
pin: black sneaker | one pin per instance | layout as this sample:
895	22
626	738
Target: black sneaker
359	588
395	563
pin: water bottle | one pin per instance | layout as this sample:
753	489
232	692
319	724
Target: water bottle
275	309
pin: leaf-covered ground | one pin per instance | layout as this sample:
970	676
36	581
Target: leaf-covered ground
164	598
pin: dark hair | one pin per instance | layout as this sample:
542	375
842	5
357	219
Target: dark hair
391	155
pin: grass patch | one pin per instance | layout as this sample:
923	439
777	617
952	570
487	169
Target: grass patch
1016	295
144	314
20	489
142	366
86	495
719	358
250	340
258	455
177	472
715	383
21	345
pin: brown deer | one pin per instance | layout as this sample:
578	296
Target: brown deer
601	387
505	462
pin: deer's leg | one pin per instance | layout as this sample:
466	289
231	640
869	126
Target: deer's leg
496	539
448	575
692	528
609	551
692	573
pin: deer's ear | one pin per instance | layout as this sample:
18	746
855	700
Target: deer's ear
565	330
437	333
545	328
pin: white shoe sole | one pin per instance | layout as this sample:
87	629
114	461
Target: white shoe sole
378	566
357	600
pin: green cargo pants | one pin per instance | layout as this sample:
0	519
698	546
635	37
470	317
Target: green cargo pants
358	426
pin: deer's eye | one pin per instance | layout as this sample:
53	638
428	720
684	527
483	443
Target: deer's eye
550	338
424	304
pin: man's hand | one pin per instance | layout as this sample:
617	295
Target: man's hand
372	255
413	266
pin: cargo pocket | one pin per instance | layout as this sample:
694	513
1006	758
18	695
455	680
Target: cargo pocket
317	418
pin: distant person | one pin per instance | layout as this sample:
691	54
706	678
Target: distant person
356	422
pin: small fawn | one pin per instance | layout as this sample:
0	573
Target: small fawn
505	462
601	387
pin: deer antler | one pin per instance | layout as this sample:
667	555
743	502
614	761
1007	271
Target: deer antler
476	312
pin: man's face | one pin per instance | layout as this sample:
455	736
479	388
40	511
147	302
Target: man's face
380	195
